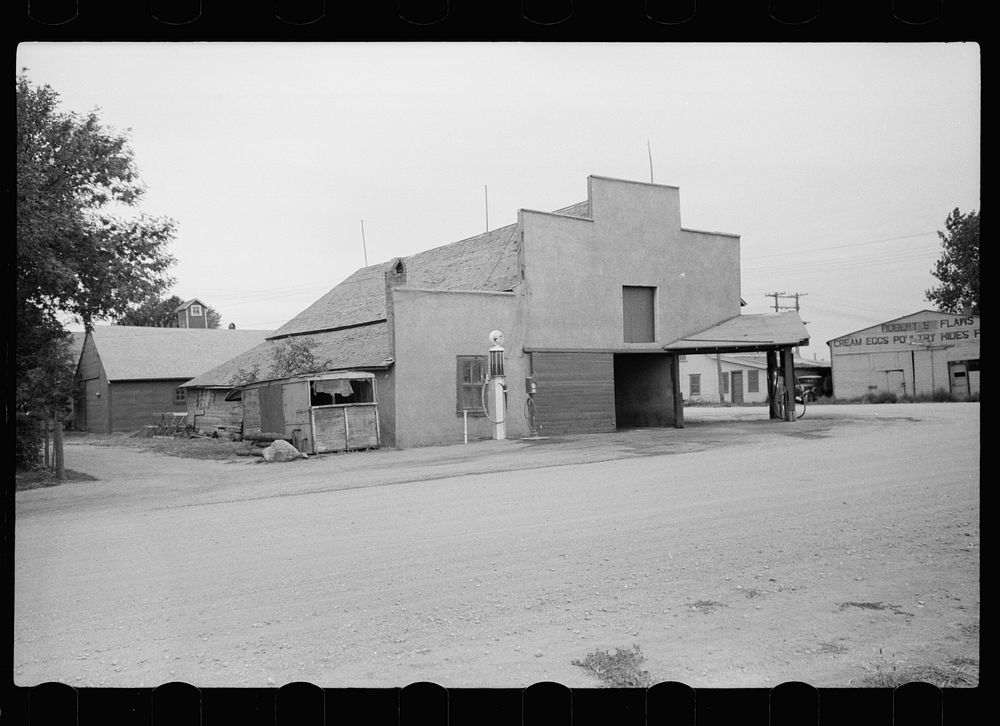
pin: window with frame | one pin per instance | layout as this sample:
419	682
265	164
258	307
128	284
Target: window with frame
725	382
753	381
638	314
694	384
180	395
471	370
196	311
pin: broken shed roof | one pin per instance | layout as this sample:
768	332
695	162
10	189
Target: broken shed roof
366	346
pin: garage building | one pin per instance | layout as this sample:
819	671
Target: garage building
915	355
597	301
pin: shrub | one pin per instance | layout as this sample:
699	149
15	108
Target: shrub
621	670
941	394
880	397
28	445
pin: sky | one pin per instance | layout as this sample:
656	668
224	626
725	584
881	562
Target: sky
288	166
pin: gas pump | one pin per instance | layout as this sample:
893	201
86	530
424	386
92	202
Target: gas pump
495	387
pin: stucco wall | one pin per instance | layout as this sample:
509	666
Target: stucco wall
433	328
575	269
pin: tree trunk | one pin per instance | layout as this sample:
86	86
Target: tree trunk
45	438
57	447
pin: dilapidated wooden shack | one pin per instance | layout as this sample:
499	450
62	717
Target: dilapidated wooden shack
318	413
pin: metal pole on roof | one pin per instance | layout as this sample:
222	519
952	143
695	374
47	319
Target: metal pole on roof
650	150
486	193
364	247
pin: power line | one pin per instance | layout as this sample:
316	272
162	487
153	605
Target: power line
838	247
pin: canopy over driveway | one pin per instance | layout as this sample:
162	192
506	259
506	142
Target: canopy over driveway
777	334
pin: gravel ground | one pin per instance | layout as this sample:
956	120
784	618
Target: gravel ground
736	552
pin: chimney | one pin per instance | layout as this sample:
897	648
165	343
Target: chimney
395	276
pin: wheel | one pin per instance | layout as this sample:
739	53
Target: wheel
529	413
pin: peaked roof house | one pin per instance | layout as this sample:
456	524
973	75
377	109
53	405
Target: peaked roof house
596	302
127	374
192	313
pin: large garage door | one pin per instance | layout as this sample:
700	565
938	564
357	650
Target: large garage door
576	392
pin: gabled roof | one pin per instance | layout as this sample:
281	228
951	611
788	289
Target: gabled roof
485	262
136	353
189	303
744	333
366	346
902	317
76	341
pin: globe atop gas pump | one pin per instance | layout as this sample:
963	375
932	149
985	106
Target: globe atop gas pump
496	354
496	382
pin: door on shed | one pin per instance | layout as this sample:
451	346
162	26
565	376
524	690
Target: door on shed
895	383
958	373
295	410
272	409
575	392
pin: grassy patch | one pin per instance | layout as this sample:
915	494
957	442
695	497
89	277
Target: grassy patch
622	669
889	673
41	478
707	606
863	605
198	447
970	629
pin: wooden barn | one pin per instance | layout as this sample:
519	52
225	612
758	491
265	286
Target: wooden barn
128	375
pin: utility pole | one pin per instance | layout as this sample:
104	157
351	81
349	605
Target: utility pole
778	307
775	295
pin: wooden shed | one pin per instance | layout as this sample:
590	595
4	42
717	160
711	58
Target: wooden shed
318	413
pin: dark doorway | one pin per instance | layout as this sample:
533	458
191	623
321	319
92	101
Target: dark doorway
643	390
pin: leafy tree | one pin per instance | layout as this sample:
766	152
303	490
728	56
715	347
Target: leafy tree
154	313
73	255
43	393
159	313
958	267
290	357
294	357
76	257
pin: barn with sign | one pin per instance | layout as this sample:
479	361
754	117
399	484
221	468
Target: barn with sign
916	355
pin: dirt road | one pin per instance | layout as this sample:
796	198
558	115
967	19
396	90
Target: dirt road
735	552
